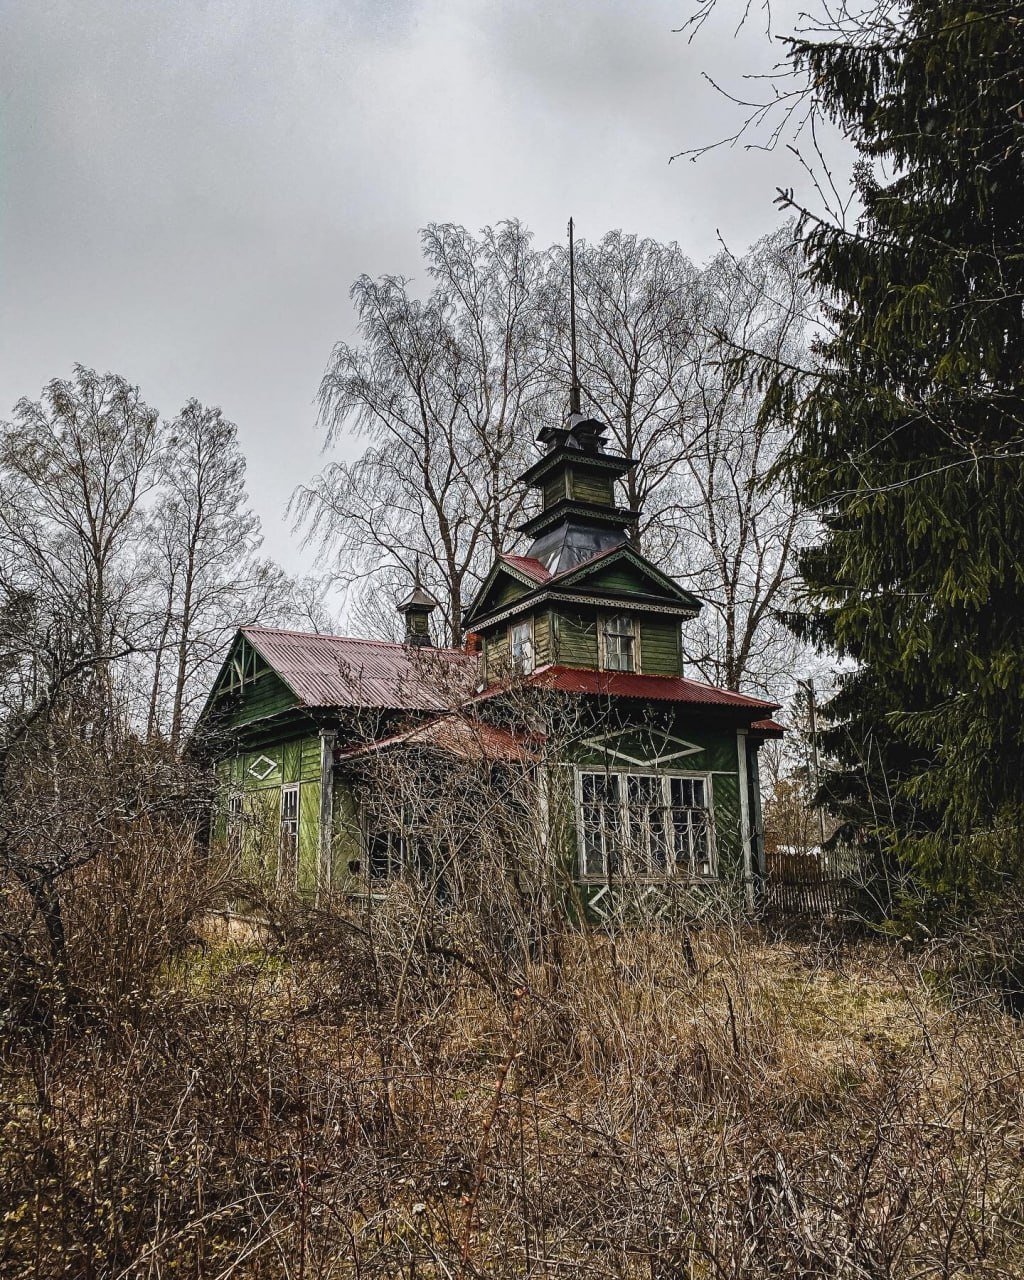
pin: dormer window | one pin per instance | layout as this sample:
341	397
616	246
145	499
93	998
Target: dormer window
618	643
520	641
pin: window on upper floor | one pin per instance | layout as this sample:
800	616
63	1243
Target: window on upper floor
618	643
520	643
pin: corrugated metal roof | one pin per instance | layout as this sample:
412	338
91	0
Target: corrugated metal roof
456	735
770	728
627	684
528	565
339	671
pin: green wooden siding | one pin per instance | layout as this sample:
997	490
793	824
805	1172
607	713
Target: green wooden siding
644	736
496	653
496	644
542	638
591	488
283	763
554	489
506	591
660	653
265	696
620	578
575	638
309	836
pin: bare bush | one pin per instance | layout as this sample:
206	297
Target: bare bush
453	1075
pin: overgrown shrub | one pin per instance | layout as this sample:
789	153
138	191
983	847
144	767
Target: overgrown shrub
332	1095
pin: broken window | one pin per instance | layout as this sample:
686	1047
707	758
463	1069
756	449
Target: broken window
521	646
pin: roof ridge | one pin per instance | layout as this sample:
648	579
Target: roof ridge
598	555
381	644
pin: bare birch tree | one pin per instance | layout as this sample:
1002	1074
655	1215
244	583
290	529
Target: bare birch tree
735	524
207	567
75	468
446	392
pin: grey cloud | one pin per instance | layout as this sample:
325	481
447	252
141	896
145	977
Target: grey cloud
189	188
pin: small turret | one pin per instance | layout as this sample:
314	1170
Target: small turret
417	609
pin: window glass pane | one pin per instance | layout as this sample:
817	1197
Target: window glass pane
618	643
646	824
600	820
691	835
384	855
288	864
521	646
701	844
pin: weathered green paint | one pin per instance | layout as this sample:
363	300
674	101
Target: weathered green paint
542	637
258	695
554	489
636	740
507	590
660	646
588	487
575	638
622	579
257	776
309	837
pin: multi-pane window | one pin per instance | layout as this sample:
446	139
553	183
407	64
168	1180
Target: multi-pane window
644	825
520	639
691	824
618	637
289	840
391	854
235	816
385	854
599	800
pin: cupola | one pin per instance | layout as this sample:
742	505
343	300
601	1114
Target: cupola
416	609
579	517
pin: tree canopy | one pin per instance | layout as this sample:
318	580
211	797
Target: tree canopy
909	441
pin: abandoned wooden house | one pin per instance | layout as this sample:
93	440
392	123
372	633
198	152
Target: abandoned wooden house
654	776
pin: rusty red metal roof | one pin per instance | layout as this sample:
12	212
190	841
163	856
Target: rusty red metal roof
528	565
340	671
769	728
455	735
628	684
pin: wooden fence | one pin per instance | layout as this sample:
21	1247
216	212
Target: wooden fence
812	884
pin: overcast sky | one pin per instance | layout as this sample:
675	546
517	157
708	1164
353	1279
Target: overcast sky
190	187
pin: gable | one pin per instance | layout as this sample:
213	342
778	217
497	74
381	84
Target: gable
624	572
504	585
246	689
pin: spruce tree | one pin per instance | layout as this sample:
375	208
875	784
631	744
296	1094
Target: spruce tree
910	441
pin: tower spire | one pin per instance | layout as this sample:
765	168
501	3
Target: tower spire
574	388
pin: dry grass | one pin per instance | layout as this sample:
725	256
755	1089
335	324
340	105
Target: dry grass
660	1104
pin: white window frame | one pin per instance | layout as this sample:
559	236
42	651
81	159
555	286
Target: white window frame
234	821
673	870
523	664
607	620
288	837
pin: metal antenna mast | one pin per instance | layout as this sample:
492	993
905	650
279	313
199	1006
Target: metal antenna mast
574	390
